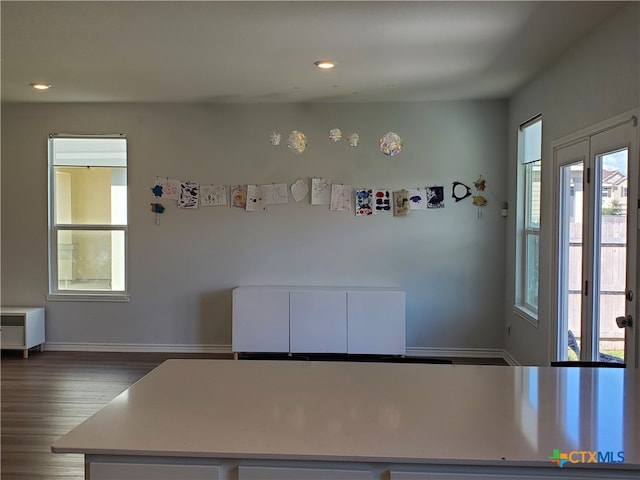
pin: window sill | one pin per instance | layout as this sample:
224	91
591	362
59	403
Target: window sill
527	315
89	297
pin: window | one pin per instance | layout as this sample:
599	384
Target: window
87	217
530	157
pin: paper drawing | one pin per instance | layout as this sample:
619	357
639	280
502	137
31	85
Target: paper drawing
320	191
255	199
435	197
189	195
213	195
170	187
239	196
382	200
418	198
341	198
299	189
275	193
401	201
364	202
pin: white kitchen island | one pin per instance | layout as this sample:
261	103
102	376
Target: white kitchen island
290	420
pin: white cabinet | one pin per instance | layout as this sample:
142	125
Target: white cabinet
260	320
146	471
291	473
376	322
319	320
22	328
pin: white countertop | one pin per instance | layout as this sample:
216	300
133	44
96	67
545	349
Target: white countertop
380	412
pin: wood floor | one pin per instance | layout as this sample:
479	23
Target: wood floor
48	394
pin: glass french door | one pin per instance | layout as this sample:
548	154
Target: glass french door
597	229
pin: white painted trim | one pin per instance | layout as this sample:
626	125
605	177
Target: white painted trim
226	349
455	352
510	359
88	297
135	347
526	315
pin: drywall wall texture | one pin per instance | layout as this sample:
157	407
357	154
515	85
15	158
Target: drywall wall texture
181	272
595	80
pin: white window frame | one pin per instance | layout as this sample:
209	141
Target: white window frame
55	293
527	230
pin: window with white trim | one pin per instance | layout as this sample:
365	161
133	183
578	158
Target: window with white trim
530	160
88	216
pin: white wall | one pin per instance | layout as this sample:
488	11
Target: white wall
596	79
181	272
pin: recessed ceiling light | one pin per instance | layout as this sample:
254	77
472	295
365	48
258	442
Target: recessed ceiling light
41	86
324	64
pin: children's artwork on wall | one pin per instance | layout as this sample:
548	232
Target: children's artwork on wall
479	201
435	197
401	203
382	200
320	191
297	142
354	139
170	187
480	183
460	191
275	138
391	144
189	195
255	199
275	193
299	189
157	191
157	208
239	196
213	195
364	202
417	198
341	198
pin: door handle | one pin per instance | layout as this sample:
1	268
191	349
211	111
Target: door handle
624	321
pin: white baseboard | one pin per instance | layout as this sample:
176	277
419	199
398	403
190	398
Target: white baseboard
226	349
462	353
135	347
510	359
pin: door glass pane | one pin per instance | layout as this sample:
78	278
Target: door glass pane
91	260
611	254
570	255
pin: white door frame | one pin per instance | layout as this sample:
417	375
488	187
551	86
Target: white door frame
632	337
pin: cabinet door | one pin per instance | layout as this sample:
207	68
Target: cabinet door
318	321
290	473
144	471
260	320
376	322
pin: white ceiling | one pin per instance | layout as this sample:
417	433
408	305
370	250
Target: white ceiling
236	51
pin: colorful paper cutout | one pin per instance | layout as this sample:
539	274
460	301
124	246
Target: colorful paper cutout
364	202
239	196
391	144
382	200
